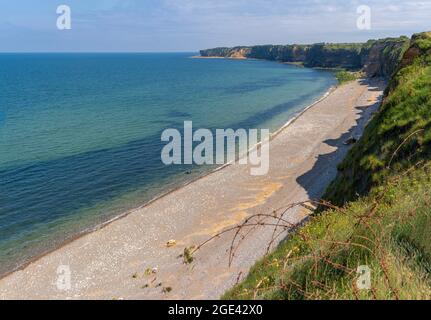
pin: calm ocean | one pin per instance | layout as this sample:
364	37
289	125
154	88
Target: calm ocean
80	133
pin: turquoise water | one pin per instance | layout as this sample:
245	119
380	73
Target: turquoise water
80	133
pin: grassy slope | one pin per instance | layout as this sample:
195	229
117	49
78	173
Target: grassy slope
387	228
405	111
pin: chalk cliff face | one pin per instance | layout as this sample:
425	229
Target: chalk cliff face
381	58
235	52
346	56
289	53
376	57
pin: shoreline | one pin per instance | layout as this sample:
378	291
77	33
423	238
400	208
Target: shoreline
182	201
293	64
162	195
216	57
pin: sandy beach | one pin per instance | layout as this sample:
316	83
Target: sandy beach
111	262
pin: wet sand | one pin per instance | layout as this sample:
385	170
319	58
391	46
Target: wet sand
110	263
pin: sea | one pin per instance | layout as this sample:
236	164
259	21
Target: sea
80	133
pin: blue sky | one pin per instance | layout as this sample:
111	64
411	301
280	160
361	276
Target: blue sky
189	25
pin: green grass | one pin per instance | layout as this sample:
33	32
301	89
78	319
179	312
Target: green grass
384	216
353	47
423	40
346	76
403	120
320	260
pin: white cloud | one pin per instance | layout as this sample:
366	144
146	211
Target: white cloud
141	25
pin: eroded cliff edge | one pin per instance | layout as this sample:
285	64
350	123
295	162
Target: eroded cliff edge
378	58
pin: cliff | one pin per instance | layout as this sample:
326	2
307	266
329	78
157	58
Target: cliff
406	110
383	218
375	57
382	57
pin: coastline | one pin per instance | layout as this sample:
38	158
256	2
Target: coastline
164	194
201	57
216	57
16	275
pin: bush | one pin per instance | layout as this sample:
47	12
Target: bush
346	76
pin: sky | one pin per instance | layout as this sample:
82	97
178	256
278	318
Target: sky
190	25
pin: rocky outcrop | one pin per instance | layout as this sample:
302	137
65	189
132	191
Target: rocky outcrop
378	58
235	52
288	53
420	44
382	57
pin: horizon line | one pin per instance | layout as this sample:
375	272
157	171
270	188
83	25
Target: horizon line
93	52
